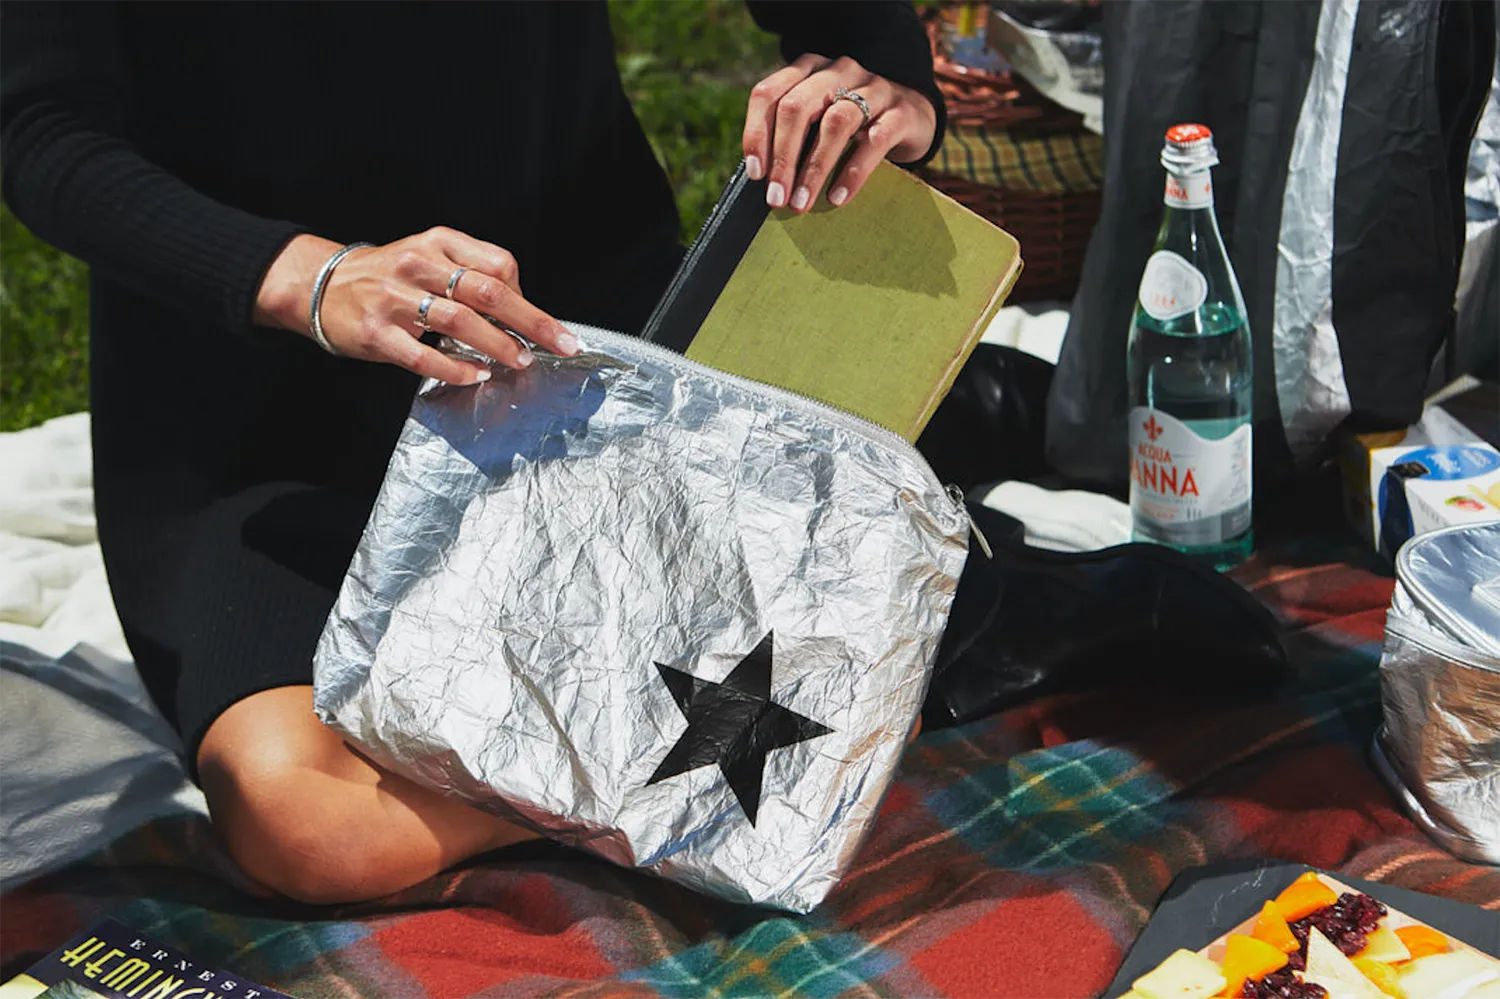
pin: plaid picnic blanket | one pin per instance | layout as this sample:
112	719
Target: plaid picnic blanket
1018	856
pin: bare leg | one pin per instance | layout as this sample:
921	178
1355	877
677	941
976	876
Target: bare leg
305	815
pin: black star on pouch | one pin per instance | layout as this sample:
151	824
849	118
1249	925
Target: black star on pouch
734	724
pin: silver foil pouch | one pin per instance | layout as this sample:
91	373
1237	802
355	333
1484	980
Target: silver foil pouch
1065	66
1439	747
677	618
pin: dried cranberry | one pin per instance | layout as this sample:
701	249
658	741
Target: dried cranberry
1281	985
1345	923
1364	911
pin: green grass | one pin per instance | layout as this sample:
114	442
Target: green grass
44	329
688	66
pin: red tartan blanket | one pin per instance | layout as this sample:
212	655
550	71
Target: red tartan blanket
1018	856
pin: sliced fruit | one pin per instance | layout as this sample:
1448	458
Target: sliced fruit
1272	929
1184	975
1246	957
1327	966
1308	877
1303	898
1383	975
1382	944
1448	976
1422	940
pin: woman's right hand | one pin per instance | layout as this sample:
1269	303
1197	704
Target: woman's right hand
370	304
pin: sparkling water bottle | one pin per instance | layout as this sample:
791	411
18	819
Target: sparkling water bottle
1190	374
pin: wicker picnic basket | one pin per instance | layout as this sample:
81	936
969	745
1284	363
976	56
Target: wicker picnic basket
1023	162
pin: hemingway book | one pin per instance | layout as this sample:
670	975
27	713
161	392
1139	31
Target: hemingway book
872	307
112	961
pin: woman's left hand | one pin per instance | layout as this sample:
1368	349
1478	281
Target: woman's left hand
786	104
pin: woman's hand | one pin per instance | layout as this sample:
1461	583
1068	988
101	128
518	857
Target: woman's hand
785	105
370	304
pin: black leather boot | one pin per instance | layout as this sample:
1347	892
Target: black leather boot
1029	622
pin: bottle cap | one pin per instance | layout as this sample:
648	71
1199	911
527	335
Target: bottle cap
1189	149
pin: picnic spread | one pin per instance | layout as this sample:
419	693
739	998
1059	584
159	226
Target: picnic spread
1020	855
790	620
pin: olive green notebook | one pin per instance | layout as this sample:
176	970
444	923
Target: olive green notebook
873	307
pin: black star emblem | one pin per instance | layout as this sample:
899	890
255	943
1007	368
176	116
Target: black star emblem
734	724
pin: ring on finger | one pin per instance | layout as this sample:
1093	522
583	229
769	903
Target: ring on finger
453	282
422	308
857	99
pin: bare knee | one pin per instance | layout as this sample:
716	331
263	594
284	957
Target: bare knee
306	816
276	807
268	814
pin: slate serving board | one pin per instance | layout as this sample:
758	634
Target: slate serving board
1206	902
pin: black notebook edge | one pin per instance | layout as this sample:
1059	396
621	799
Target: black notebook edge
709	263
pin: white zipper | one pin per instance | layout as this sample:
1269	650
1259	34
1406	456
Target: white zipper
869	431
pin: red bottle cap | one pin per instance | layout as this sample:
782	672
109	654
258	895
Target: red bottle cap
1184	134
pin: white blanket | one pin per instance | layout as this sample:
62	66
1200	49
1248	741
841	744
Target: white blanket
85	757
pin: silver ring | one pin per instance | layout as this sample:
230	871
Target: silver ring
453	282
422	308
845	94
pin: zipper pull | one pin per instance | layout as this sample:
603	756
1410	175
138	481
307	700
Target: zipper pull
957	496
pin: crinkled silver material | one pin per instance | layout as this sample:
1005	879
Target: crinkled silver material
1440	684
1311	389
1064	66
544	540
1482	179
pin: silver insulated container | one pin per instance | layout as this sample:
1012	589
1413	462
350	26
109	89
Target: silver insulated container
677	618
1439	747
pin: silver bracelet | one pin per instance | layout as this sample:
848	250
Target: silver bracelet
314	318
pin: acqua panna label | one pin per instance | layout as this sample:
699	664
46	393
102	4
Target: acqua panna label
1177	476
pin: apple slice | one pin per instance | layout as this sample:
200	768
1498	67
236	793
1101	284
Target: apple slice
1327	966
1448	976
1490	991
1184	975
1383	975
1382	944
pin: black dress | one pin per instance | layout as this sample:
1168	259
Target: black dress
176	148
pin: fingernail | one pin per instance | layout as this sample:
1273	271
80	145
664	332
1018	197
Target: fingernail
524	359
838	196
800	198
567	343
753	167
482	375
775	195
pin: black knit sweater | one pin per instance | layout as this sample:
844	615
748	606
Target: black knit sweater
177	147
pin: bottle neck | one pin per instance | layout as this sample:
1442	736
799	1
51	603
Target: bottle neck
1190	226
1190	192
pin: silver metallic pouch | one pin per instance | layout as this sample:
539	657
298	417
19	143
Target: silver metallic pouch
680	619
1440	683
1065	66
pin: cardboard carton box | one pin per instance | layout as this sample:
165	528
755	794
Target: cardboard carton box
1438	473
